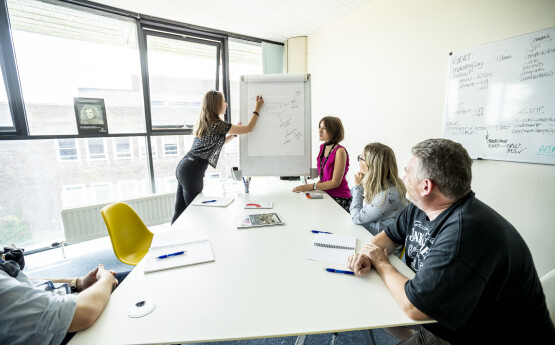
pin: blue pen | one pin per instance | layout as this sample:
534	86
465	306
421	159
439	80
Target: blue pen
319	232
332	270
169	255
207	201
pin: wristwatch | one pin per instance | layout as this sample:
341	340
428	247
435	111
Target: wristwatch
74	285
314	186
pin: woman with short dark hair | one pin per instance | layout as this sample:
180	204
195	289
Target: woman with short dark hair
332	163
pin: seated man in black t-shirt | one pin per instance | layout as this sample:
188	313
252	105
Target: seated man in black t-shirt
474	273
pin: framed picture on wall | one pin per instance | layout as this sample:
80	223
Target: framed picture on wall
90	114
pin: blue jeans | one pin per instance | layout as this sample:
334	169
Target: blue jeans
190	175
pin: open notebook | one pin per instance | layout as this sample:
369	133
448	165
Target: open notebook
332	248
194	243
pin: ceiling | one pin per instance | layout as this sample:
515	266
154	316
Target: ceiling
272	20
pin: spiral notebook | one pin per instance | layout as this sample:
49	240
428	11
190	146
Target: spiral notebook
332	248
194	243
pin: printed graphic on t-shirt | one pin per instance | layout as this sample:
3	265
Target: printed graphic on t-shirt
418	245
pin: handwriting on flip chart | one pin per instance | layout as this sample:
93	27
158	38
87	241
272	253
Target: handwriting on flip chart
288	129
280	128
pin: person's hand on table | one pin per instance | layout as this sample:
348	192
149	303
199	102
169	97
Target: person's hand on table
360	264
92	277
302	188
377	255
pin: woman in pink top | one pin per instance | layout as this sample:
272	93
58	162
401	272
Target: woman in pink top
332	163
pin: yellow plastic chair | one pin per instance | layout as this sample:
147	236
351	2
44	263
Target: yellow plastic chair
130	237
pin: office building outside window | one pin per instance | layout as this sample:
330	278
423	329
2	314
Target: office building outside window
82	54
86	53
67	150
122	148
95	148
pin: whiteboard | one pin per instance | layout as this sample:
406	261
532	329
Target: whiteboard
280	144
501	99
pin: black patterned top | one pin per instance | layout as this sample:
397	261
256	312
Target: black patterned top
209	146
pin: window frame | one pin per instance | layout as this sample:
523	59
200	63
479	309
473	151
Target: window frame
16	102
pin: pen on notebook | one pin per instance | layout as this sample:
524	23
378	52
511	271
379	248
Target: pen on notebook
319	232
207	201
169	255
332	270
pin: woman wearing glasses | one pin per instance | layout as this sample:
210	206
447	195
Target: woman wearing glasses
379	193
211	133
332	163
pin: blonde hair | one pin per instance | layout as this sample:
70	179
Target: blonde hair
210	110
382	172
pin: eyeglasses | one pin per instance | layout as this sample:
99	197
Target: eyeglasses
360	158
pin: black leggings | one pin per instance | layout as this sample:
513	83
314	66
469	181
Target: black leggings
190	175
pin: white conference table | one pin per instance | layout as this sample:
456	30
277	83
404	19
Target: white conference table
261	283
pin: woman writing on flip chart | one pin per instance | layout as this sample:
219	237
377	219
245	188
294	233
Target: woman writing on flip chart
379	193
332	163
211	133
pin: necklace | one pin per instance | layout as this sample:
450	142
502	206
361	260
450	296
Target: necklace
322	162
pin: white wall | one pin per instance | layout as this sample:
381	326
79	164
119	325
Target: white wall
383	70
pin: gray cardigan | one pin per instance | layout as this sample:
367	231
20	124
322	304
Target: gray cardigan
375	216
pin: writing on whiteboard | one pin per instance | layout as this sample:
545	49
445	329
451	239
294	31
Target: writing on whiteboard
500	101
280	128
289	131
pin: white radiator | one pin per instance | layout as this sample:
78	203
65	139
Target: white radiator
86	223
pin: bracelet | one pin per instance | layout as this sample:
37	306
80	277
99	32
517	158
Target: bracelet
314	186
254	112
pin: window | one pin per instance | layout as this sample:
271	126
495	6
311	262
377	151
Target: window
5	116
102	192
95	148
65	50
170	184
127	189
170	146
245	58
141	143
122	148
73	196
67	150
82	54
180	73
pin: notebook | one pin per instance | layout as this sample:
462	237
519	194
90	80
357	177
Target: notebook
258	204
255	220
212	201
194	242
332	248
